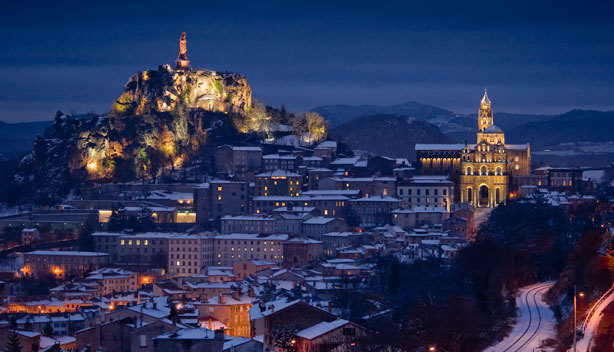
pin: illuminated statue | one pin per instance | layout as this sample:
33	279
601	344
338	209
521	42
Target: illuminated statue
182	61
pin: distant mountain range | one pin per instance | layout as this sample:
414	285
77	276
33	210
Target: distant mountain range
389	135
17	138
543	132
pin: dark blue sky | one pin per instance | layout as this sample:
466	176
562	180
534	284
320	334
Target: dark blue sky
534	57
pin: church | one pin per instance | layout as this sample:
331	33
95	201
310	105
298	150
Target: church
482	171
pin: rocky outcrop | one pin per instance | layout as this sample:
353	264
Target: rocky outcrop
166	89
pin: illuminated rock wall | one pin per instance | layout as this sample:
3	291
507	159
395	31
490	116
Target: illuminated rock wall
166	89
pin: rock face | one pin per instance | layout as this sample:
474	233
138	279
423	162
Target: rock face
165	89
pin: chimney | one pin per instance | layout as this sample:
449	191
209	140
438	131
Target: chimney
219	334
330	307
222	299
141	316
154	305
235	295
261	305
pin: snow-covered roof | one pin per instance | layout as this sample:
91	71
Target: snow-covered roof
188	334
321	328
493	129
251	236
73	253
278	173
375	199
319	220
457	146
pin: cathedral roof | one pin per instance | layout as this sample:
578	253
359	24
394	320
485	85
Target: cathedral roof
493	129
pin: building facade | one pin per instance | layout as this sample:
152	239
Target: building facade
483	170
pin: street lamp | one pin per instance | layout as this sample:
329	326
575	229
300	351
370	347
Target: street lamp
575	327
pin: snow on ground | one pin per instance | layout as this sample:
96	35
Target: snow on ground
534	324
591	328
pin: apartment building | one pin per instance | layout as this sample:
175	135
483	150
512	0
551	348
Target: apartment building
63	263
236	247
218	198
427	191
278	183
185	255
248	224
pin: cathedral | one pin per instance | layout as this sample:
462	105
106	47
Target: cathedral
482	171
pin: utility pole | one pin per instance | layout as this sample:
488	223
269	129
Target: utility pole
574	318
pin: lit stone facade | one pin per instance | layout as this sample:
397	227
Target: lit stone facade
485	169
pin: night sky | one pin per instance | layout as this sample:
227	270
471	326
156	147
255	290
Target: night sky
534	57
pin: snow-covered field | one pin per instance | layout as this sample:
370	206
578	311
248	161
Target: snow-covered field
534	324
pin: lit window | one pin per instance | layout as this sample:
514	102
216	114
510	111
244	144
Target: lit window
146	242
219	255
138	242
123	242
177	263
130	242
232	249
219	197
219	188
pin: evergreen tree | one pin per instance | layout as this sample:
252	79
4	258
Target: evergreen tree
13	344
48	330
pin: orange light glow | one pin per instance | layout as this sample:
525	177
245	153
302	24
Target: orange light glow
92	165
57	271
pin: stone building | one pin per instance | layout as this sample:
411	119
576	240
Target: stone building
63	263
427	191
278	183
483	170
239	246
218	198
240	162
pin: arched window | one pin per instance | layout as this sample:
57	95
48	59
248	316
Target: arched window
497	196
483	170
469	197
469	171
498	171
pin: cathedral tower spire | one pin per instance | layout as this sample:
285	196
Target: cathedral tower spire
485	113
182	61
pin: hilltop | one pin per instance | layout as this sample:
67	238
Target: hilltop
165	119
389	135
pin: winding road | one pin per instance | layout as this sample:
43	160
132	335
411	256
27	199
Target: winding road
592	322
534	324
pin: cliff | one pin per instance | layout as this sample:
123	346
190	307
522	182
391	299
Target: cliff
166	89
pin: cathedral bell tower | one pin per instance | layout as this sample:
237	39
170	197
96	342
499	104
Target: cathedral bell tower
485	113
182	61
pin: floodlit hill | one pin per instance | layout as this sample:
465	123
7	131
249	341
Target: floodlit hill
165	89
164	119
389	135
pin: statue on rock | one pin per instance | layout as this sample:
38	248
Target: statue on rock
182	61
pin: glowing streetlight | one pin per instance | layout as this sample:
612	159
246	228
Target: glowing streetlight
575	326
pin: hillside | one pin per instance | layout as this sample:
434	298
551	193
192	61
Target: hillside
388	135
578	137
573	126
17	138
